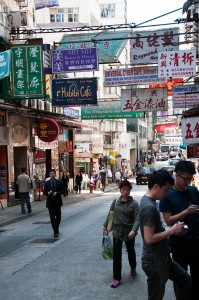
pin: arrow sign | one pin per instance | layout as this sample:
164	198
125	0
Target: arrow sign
82	59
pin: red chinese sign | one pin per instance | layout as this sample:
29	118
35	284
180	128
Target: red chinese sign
177	63
190	130
169	84
144	99
47	130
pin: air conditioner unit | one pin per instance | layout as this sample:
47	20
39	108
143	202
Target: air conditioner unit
24	102
41	105
59	110
33	103
48	106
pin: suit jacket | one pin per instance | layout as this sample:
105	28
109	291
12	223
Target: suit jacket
54	201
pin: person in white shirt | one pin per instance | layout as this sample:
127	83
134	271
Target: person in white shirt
117	177
24	184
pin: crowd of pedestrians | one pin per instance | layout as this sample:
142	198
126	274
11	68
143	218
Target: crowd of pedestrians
168	253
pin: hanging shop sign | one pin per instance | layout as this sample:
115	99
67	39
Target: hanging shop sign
108	44
180	63
70	112
27	71
75	60
108	110
190	130
185	96
145	45
144	99
129	76
47	130
169	85
74	92
4	64
39	4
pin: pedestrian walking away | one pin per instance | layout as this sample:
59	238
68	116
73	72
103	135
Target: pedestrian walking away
24	184
181	204
78	181
156	260
117	177
102	176
53	189
65	180
125	227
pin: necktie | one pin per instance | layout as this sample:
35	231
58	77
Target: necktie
53	186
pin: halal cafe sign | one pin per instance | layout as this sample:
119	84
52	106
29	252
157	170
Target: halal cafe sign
47	130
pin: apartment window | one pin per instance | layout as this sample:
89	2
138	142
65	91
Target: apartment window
67	15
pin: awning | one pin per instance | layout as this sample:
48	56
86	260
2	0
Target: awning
109	44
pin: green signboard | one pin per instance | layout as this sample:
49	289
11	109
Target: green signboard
108	110
108	44
27	71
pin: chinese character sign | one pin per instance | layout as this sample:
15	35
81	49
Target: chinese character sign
190	130
144	99
177	63
47	130
145	45
27	71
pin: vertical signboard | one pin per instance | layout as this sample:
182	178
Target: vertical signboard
27	71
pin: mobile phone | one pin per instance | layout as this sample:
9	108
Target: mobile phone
197	209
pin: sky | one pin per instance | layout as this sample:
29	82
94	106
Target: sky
143	10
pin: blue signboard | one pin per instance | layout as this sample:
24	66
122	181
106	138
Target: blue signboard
4	64
72	113
74	92
75	60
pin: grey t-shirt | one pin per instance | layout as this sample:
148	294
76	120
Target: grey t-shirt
149	215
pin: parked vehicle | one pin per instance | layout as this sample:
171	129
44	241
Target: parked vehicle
173	161
171	167
161	156
142	176
173	154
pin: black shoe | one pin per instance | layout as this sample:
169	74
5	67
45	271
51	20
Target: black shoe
56	235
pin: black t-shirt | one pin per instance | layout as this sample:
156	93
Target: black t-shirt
177	201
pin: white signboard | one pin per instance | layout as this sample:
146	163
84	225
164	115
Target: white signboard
129	76
145	45
190	130
177	63
144	99
173	140
185	96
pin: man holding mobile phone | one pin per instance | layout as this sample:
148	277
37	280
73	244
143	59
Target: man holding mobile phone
182	205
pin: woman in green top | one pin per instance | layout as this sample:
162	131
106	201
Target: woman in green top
125	227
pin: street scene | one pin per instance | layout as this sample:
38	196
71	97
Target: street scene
99	149
70	267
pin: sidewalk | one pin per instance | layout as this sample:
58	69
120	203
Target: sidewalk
13	214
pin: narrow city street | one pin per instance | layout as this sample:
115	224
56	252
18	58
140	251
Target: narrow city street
36	266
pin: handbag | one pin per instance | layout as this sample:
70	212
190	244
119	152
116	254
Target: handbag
3	189
110	219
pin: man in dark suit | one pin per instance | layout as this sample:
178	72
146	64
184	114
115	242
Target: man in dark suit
53	189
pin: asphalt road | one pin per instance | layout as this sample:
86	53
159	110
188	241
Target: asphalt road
35	266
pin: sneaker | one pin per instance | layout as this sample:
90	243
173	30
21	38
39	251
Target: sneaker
115	283
133	272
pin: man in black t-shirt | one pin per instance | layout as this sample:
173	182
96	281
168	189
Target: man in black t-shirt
156	260
181	204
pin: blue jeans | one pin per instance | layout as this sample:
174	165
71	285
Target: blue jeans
158	271
25	198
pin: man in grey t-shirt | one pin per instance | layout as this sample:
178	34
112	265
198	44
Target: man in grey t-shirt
24	183
156	261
